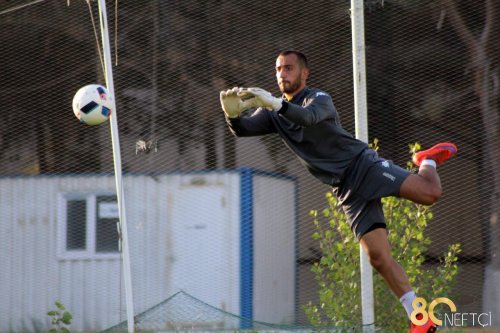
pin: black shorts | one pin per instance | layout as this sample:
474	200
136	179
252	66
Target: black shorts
369	179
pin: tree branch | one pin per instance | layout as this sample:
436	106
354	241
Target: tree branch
459	25
489	18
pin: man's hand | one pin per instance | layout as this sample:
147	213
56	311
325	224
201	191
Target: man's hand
262	97
233	104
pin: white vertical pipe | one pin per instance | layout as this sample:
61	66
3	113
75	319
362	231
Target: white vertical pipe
361	126
115	139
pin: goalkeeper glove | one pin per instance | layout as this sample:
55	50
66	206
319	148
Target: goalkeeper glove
233	104
263	98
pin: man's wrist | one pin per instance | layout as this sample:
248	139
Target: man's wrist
284	107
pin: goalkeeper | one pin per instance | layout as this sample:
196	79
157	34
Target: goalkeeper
307	122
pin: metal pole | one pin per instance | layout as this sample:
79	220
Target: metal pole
115	139
361	126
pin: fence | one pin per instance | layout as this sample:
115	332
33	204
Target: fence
432	70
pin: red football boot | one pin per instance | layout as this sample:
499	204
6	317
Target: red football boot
439	153
428	327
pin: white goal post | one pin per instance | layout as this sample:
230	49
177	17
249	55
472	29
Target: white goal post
361	127
129	303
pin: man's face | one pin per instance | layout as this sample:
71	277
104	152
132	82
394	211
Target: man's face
290	76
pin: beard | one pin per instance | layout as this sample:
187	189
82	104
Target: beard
288	87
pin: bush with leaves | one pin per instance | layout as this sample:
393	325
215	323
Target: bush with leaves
60	319
338	276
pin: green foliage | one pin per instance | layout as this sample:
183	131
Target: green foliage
337	272
60	319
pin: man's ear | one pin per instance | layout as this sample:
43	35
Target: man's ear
305	73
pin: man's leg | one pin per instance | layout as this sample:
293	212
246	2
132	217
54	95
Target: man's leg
425	187
376	246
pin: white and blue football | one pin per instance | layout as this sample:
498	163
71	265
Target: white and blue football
92	104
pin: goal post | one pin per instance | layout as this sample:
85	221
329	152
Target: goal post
361	128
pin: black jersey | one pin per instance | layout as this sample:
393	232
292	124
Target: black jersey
310	126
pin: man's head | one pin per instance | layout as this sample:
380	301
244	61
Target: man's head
292	72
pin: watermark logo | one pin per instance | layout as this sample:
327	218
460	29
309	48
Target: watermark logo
420	304
420	315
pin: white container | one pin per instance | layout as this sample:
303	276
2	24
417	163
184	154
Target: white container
227	238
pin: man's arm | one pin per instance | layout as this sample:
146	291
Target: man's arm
258	123
316	109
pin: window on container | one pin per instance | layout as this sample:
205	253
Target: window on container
76	225
106	219
89	226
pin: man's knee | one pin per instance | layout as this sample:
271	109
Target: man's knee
432	195
379	259
420	190
377	248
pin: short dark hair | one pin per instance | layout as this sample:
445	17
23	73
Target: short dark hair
300	56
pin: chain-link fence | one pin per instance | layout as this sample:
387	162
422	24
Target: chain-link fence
226	220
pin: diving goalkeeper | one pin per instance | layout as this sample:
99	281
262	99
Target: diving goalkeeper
306	120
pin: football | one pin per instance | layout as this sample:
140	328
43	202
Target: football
92	104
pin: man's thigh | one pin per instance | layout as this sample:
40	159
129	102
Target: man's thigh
381	178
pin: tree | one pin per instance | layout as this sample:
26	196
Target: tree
480	52
484	81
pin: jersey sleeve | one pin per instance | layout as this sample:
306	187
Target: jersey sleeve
258	123
315	109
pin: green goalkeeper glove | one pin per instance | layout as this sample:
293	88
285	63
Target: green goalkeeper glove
263	98
233	104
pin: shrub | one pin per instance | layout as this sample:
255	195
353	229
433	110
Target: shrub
337	272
